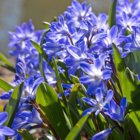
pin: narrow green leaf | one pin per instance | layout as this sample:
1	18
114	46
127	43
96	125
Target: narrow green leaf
74	106
25	134
46	24
5	86
13	103
10	68
137	62
112	14
40	50
5	60
40	56
49	102
126	128
77	128
130	62
62	92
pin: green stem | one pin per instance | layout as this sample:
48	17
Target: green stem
36	106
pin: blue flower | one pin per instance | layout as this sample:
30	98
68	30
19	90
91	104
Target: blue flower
105	46
115	112
102	135
4	130
62	32
127	22
101	21
95	75
54	49
30	87
78	12
77	56
132	42
49	74
24	33
91	33
97	105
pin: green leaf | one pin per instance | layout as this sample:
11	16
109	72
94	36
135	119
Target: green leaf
49	102
126	128
137	62
74	106
13	103
40	56
77	128
130	62
112	14
40	50
10	68
62	92
25	134
5	60
46	24
5	86
130	87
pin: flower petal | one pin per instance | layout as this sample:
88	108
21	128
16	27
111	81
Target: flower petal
89	101
106	74
102	135
99	96
4	130
3	117
108	96
89	110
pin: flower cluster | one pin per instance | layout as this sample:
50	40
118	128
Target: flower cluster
83	43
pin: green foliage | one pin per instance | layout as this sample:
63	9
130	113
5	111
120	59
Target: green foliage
112	14
49	102
25	134
13	103
77	128
5	86
130	87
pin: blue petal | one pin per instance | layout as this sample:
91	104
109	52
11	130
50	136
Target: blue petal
102	135
37	83
89	101
108	97
127	46
86	79
124	54
4	130
113	33
3	117
106	74
123	104
115	116
97	38
114	107
93	86
2	137
74	51
98	64
89	110
87	68
5	96
99	96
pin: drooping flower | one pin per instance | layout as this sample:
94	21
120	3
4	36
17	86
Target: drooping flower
115	112
103	135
